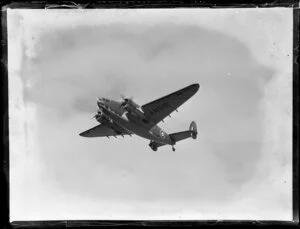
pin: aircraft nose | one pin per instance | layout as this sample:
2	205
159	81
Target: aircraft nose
100	102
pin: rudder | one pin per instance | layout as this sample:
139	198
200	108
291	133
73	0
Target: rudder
193	130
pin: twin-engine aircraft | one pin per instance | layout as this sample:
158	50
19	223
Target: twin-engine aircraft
128	118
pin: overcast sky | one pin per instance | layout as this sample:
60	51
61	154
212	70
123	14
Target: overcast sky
240	167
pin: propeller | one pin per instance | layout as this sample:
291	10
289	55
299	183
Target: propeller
125	100
96	113
99	112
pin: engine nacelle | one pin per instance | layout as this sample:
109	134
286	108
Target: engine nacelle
131	103
102	118
131	108
136	112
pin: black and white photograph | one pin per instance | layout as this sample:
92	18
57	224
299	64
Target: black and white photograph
150	114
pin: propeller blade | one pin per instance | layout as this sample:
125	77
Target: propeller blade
125	100
99	112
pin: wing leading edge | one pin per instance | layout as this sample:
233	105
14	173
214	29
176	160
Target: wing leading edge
101	131
157	110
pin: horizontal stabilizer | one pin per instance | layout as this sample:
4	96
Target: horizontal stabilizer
176	137
192	132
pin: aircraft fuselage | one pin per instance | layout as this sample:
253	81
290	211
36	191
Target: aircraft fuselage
133	122
128	118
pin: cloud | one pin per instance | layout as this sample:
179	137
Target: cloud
120	58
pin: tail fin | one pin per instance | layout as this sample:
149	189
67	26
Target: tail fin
192	132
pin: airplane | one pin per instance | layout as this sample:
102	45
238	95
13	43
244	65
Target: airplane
128	118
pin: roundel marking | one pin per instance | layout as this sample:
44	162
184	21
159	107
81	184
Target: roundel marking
162	134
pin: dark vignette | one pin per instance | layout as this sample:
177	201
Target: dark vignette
143	4
296	116
5	130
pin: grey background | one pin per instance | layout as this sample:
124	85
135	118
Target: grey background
238	168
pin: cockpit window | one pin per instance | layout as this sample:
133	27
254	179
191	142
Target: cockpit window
105	100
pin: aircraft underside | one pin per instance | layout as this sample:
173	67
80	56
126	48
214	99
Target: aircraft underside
127	118
135	126
156	135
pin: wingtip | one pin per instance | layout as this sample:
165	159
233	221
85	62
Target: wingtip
82	134
196	86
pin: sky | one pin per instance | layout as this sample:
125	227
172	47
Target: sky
240	166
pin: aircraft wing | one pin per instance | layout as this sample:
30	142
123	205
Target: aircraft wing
101	131
157	110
